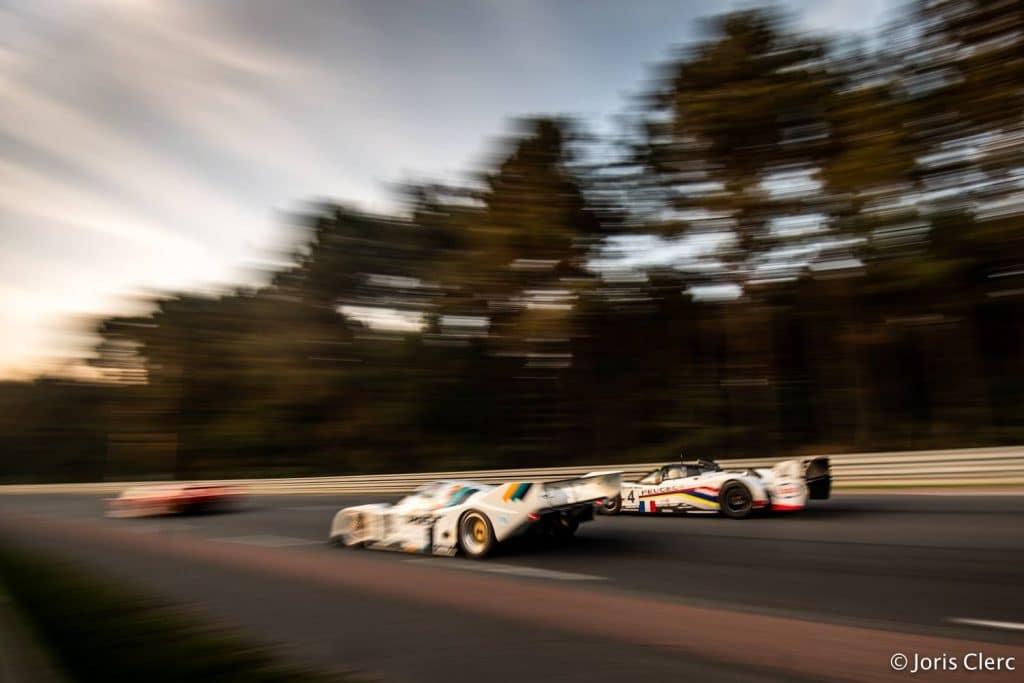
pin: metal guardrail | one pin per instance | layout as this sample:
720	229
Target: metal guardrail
969	467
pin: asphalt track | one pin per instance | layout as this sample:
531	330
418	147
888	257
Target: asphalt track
829	593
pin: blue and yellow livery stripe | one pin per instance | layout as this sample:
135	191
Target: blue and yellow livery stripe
695	493
697	499
692	496
516	490
460	495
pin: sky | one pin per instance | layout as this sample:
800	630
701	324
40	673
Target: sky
151	146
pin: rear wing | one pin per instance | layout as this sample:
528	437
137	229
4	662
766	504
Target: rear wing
538	496
818	475
585	489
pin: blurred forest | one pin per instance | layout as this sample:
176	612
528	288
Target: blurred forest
793	245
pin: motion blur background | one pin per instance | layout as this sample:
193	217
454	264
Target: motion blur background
802	230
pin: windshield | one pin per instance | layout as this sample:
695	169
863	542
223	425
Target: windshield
425	492
675	472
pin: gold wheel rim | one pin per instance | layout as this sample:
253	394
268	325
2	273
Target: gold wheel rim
479	531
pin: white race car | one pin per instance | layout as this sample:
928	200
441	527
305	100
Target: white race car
446	517
703	486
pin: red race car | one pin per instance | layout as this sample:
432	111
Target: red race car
173	499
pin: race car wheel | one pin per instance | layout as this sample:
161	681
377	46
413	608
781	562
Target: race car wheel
735	501
564	527
476	537
612	506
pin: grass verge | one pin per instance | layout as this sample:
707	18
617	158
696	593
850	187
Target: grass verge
101	631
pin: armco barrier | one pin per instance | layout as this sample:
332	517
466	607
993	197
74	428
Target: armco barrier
968	467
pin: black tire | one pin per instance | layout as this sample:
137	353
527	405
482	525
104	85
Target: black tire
736	501
564	528
475	535
612	506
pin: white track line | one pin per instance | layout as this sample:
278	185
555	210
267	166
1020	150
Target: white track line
511	569
1007	625
165	527
269	541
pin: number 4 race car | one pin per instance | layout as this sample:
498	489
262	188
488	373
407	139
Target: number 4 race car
446	517
703	486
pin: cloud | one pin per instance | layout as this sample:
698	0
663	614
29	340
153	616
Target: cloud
147	143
